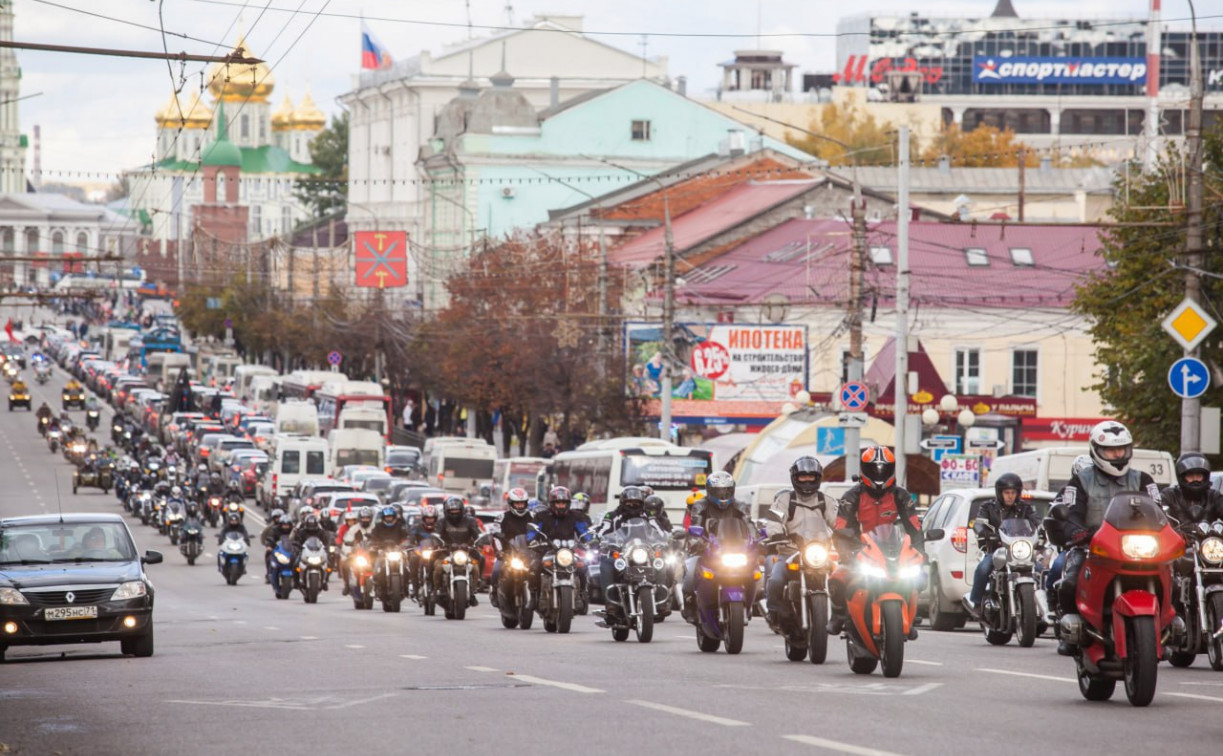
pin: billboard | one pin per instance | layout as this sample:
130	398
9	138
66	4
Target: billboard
1044	70
721	370
382	258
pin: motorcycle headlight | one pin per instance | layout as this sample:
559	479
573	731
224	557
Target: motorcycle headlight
815	555
12	597
564	558
1021	551
361	562
866	569
909	572
426	554
394	556
130	590
671	559
1139	546
281	558
640	556
460	557
517	564
1212	550
734	560
315	561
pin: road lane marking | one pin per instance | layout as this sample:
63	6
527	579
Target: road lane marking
353	645
412	656
483	669
1027	674
309	637
572	687
270	627
833	745
688	713
1196	696
927	663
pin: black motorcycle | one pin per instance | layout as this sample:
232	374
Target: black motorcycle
1008	606
514	591
557	586
1197	596
92	418
803	618
638	593
390	578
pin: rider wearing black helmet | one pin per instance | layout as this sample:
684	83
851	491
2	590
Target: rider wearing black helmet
656	510
233	524
802	512
1007	504
1192	499
458	529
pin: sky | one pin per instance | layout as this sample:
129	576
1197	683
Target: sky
96	113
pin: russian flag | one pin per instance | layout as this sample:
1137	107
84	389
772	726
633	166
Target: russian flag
373	54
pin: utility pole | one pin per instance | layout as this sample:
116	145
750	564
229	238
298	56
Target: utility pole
901	392
668	321
1023	168
602	341
857	262
1191	409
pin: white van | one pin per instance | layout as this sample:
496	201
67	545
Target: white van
162	368
244	374
459	464
356	446
296	417
1049	469
363	417
292	457
264	393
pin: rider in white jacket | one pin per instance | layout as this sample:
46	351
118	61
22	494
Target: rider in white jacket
798	514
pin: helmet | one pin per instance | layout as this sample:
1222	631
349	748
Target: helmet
366	516
1111	447
202	467
632	499
453	509
1081	463
176	492
517	502
233	520
193	509
806	474
1008	482
286	525
581	502
653	505
428	515
325	514
694	497
559	499
1193	462
350	517
277	515
878	469
647	490
389	515
310	523
215	475
720	489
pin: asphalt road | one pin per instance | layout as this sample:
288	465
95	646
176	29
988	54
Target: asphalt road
237	670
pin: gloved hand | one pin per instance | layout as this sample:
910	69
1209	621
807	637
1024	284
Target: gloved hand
1079	537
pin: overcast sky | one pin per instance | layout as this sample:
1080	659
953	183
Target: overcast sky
96	113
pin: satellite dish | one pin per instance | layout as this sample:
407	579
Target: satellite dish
775	308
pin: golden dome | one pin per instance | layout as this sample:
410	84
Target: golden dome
241	82
196	113
308	117
282	119
168	115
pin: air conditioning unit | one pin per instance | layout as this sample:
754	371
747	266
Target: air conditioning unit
507	192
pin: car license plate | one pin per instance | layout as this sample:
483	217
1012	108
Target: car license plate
70	613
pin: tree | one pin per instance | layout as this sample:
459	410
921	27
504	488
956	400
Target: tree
991	147
1127	302
329	153
870	141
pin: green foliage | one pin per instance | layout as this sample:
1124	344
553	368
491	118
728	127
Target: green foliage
329	153
1127	304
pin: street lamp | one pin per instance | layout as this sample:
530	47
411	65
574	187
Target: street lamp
929	417
966	418
948	403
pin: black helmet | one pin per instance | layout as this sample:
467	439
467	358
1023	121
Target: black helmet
453	509
632	499
654	505
516	502
1193	462
1008	482
878	469
366	516
286	525
720	489
559	499
806	474
234	520
310	523
193	509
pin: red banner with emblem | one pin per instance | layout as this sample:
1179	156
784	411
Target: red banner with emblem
382	258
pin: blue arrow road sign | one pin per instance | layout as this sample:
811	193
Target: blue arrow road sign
1189	378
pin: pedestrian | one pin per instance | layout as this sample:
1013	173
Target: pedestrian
409	412
551	439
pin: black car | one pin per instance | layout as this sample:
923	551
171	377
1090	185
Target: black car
14	352
403	462
74	578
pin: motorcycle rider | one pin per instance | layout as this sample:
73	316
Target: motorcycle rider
309	528
390	532
283	528
458	529
233	524
424	529
800	510
515	521
43	412
1192	499
1007	504
1086	497
559	522
875	500
345	545
581	507
708	513
655	509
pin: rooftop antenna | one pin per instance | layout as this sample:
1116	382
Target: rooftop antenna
470	51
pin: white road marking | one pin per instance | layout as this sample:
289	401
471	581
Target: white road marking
927	663
353	645
1027	674
688	713
572	687
483	669
1196	696
412	656
309	637
833	745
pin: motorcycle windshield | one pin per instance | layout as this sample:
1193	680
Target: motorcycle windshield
1135	511
636	529
890	538
731	532
313	544
234	540
1017	527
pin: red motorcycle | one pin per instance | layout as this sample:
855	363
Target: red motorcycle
1123	599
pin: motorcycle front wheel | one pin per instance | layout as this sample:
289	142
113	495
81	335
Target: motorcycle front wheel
645	620
395	589
1142	661
735	621
894	636
564	612
1027	615
310	595
817	631
458	602
525	616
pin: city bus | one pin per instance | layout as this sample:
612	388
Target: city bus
352	401
302	384
602	469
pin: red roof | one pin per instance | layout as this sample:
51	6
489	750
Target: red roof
715	217
808	261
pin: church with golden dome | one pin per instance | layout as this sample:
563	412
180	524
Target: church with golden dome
232	120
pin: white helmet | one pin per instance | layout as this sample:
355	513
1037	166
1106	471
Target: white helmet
1111	434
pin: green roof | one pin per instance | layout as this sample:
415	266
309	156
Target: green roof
173	164
272	159
222	152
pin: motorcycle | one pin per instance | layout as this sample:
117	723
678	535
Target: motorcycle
1124	600
458	576
638	592
44	422
92	418
1008	606
116	432
803	620
312	569
282	568
426	589
191	545
360	579
212	510
556	584
42	375
391	579
725	584
1198	598
54	436
882	600
231	557
173	521
514	585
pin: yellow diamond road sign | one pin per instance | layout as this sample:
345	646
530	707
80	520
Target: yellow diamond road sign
1189	324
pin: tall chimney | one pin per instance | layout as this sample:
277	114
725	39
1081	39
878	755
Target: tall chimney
1154	43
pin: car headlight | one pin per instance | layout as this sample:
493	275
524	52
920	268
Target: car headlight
866	569
564	557
1139	546
360	561
281	558
130	590
12	597
316	561
1021	551
640	556
394	556
910	571
1212	550
460	557
734	560
815	555
517	564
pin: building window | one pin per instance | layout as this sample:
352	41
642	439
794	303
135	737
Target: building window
245	130
263	131
57	242
761	79
257	220
82	242
9	240
286	219
1022	256
641	131
1023	372
976	256
881	255
967	371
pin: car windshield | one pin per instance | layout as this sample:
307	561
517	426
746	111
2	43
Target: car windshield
402	458
66	542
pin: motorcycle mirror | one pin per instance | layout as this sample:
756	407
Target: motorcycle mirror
696	530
